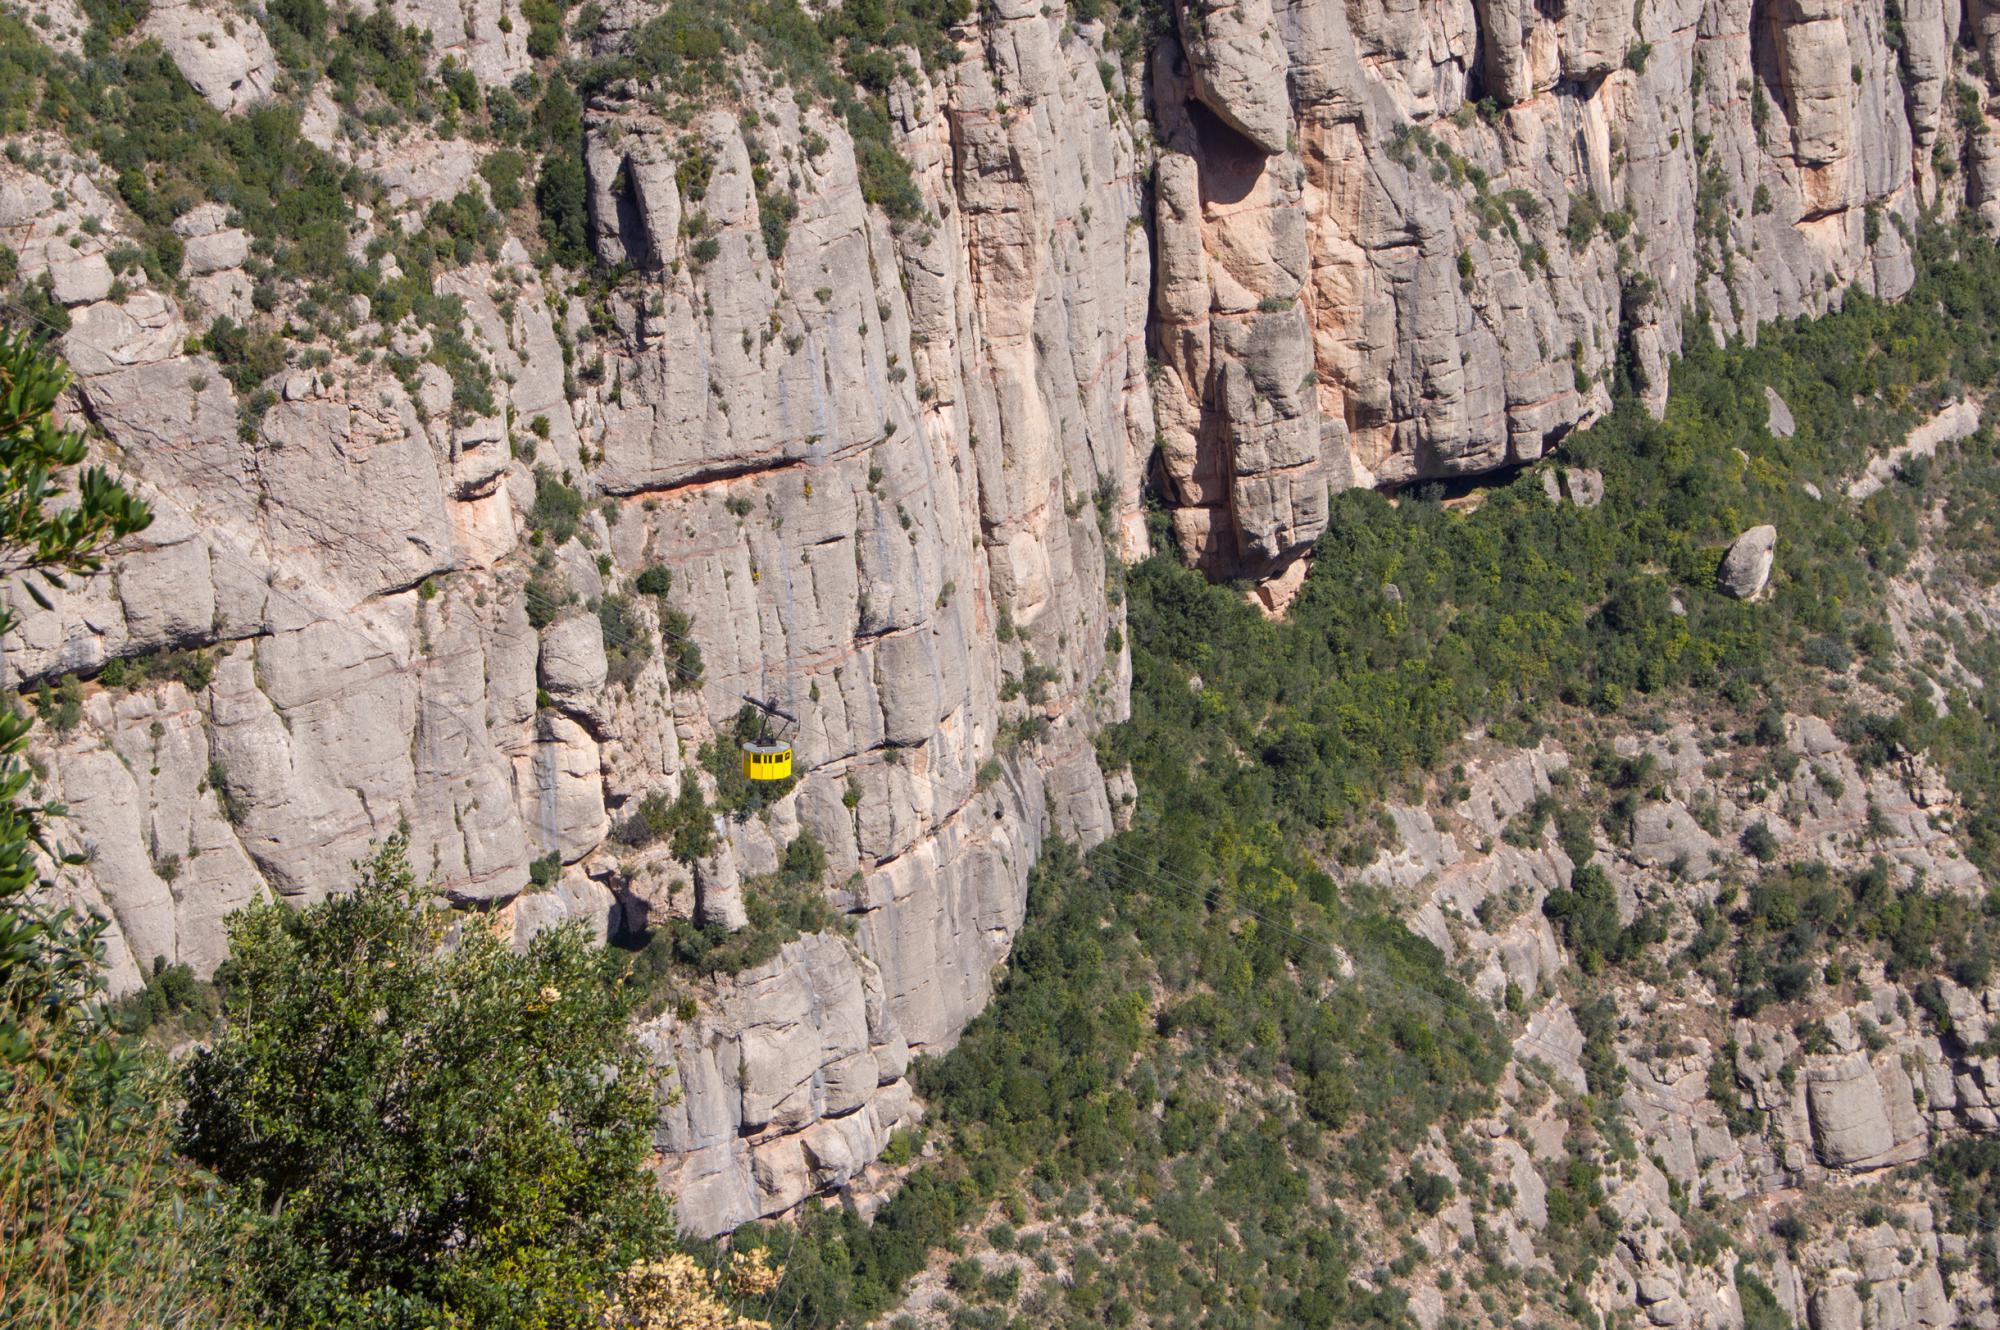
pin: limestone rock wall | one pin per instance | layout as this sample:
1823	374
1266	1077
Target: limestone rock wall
887	469
1402	242
788	1081
1302	244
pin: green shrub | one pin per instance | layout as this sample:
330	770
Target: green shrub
683	821
562	195
558	509
627	645
454	1149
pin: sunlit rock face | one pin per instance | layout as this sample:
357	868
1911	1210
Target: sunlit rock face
1397	242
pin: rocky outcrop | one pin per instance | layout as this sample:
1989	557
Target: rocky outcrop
219	48
1746	567
487	37
1424	263
1737	1120
786	1082
1957	421
1580	485
882	470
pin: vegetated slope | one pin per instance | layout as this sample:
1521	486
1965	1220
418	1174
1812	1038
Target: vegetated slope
1224	1084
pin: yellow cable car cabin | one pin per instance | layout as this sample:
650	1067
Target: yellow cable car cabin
767	759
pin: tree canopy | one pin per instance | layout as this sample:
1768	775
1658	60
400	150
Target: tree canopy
430	1127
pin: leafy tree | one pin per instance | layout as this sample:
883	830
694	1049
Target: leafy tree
424	1129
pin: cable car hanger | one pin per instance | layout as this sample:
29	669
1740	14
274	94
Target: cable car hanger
767	757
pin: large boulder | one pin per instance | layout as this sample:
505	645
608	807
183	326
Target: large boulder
221	51
1863	1116
1747	567
1778	416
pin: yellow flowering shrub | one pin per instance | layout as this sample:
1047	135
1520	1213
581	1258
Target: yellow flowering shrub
677	1293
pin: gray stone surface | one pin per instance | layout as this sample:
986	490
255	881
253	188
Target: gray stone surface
1440	344
1746	568
855	461
219	48
791	1081
1778	416
858	458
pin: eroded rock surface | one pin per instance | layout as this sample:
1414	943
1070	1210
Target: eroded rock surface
881	475
1423	262
789	1082
883	472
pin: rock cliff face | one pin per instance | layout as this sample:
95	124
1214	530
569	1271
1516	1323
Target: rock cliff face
888	474
1399	242
890	470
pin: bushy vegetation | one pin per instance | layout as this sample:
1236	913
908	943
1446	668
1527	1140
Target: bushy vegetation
847	58
1772	943
101	1224
465	1143
1968	1171
781	907
1154	1053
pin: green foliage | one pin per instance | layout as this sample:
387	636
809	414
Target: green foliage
627	645
545	872
171	997
780	909
1761	1308
546	591
562	194
1586	916
683	821
558	509
1125	1001
101	1226
306	18
373	50
59	704
1795	916
42	541
545	26
1760	842
113	19
1968	1172
1420	622
804	860
503	171
246	357
654	580
192	669
466	1143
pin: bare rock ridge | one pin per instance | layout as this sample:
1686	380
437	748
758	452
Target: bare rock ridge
1877	1086
885	472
